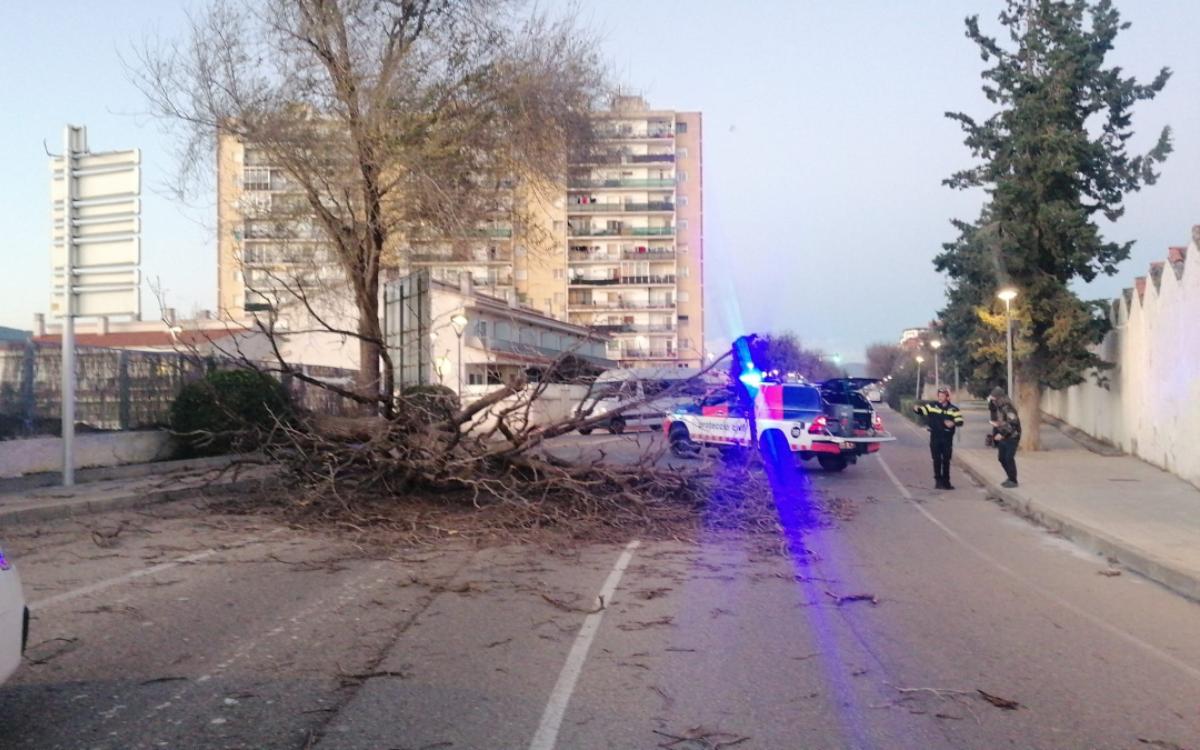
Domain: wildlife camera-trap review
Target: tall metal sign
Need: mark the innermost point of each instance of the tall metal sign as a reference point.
(95, 250)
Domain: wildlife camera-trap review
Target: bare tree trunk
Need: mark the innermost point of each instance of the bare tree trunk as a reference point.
(368, 346)
(1029, 402)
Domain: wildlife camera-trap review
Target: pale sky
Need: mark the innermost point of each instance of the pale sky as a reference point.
(824, 147)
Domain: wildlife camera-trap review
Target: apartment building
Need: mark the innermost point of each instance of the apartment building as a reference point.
(635, 235)
(618, 248)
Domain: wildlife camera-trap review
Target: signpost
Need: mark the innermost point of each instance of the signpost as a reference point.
(95, 250)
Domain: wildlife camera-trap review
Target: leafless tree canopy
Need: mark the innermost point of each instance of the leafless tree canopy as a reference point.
(395, 121)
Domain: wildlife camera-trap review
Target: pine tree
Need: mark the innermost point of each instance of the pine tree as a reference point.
(1052, 159)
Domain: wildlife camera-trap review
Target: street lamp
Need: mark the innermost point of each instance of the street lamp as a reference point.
(920, 359)
(937, 377)
(459, 322)
(1008, 294)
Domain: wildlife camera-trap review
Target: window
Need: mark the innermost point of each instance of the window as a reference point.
(560, 273)
(681, 225)
(519, 251)
(683, 296)
(682, 249)
(681, 153)
(559, 226)
(521, 274)
(481, 329)
(474, 378)
(680, 127)
(685, 343)
(684, 271)
(256, 178)
(560, 298)
(681, 176)
(682, 201)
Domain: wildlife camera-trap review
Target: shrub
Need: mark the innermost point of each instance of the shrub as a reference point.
(228, 411)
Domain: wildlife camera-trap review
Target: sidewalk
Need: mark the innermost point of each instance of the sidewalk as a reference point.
(1114, 505)
(143, 484)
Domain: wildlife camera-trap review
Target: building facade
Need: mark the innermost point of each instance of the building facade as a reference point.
(619, 248)
(460, 337)
(635, 232)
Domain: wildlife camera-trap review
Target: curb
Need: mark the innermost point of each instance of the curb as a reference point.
(30, 482)
(1184, 583)
(52, 508)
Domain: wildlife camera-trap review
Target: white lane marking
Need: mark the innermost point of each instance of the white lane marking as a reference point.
(92, 588)
(1151, 649)
(560, 696)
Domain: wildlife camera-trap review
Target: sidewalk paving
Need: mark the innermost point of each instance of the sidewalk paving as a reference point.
(1114, 505)
(143, 484)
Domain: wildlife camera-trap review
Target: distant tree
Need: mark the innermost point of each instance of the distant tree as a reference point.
(883, 359)
(1052, 158)
(784, 352)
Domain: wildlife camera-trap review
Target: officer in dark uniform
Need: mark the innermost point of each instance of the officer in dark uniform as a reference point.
(943, 418)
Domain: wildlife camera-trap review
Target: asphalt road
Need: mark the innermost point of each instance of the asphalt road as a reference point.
(191, 630)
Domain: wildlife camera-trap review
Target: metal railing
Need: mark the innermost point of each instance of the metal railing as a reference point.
(622, 305)
(621, 183)
(576, 232)
(619, 135)
(614, 207)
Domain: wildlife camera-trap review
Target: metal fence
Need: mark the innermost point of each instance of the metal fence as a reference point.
(118, 389)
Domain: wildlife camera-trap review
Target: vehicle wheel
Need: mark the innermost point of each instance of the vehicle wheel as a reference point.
(616, 426)
(832, 463)
(585, 430)
(681, 442)
(776, 453)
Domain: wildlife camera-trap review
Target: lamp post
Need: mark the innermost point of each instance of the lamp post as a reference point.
(459, 322)
(920, 359)
(937, 377)
(1008, 294)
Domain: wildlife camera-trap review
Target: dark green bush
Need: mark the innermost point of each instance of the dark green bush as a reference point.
(903, 384)
(430, 403)
(228, 411)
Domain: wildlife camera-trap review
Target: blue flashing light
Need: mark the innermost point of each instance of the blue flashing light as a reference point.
(4, 564)
(748, 373)
(752, 379)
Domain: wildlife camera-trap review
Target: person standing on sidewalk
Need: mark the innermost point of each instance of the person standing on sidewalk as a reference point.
(942, 419)
(1006, 433)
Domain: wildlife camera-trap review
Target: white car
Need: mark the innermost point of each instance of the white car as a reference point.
(641, 396)
(14, 619)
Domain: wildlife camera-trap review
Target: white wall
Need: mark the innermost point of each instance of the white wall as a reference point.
(557, 402)
(1151, 407)
(37, 455)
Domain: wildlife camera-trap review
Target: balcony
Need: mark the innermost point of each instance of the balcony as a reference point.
(634, 135)
(667, 279)
(625, 160)
(460, 259)
(641, 182)
(652, 255)
(646, 354)
(493, 232)
(614, 208)
(622, 231)
(621, 305)
(581, 257)
(635, 328)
